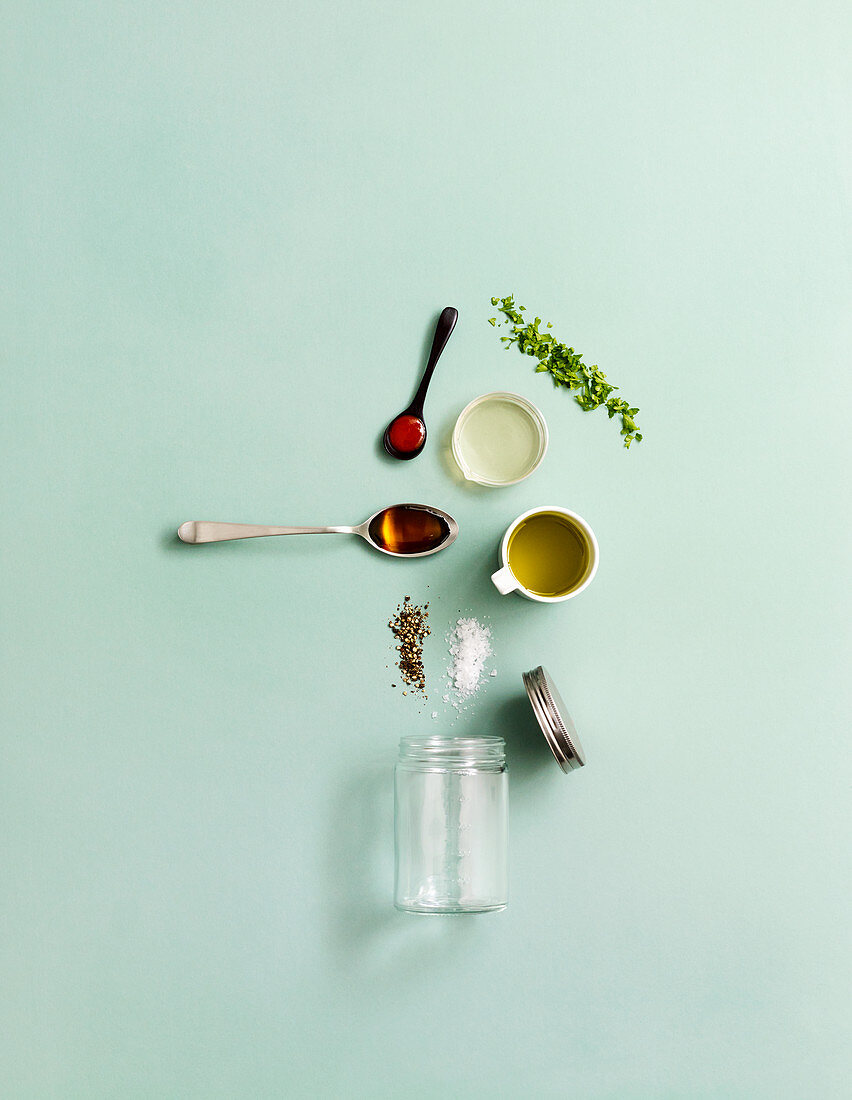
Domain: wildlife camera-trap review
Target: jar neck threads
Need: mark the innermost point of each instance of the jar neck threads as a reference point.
(453, 752)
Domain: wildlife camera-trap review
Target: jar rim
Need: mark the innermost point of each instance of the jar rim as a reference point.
(436, 751)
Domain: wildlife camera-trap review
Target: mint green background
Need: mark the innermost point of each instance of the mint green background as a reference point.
(227, 230)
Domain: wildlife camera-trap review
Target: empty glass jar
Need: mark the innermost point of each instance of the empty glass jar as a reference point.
(451, 825)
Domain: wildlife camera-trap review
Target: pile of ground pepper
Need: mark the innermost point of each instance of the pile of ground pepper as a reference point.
(410, 628)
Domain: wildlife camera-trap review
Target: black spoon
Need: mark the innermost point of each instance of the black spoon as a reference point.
(405, 436)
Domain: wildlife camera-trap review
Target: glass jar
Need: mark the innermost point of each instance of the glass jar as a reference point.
(451, 825)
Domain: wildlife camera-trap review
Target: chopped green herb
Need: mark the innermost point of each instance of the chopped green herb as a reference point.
(565, 366)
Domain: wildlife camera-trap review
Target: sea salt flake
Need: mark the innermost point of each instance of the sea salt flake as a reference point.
(470, 648)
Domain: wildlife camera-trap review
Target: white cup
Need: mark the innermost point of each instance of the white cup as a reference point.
(505, 580)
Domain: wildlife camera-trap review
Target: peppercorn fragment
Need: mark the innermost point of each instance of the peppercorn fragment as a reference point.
(410, 628)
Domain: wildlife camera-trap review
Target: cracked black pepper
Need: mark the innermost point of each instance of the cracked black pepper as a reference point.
(410, 628)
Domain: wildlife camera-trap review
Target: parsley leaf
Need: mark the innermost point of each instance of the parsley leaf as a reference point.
(566, 367)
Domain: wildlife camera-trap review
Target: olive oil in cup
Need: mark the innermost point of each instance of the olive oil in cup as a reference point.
(499, 439)
(547, 555)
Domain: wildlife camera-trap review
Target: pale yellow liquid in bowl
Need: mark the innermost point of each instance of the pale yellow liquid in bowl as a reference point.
(499, 441)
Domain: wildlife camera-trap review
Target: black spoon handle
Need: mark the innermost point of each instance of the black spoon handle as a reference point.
(443, 331)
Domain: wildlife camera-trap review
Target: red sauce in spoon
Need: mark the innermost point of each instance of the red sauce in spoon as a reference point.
(406, 434)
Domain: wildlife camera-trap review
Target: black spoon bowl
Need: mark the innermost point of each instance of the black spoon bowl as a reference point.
(443, 331)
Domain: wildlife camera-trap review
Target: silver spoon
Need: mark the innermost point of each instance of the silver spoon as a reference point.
(402, 530)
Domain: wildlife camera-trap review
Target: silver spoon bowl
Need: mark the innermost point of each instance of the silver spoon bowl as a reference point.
(199, 531)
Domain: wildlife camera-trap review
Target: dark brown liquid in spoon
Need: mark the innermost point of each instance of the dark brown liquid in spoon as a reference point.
(403, 529)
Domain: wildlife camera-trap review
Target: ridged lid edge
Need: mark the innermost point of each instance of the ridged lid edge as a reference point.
(555, 721)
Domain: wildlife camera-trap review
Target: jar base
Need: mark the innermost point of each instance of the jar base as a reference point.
(449, 909)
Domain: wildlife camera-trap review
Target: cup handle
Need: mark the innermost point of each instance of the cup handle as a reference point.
(505, 581)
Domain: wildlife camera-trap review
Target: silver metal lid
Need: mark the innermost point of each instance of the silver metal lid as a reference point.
(554, 719)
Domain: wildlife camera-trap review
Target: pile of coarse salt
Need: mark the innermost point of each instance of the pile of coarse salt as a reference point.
(470, 648)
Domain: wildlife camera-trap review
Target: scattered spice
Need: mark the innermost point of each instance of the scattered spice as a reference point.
(410, 628)
(470, 648)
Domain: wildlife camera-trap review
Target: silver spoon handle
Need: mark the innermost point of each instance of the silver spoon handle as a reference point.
(196, 531)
